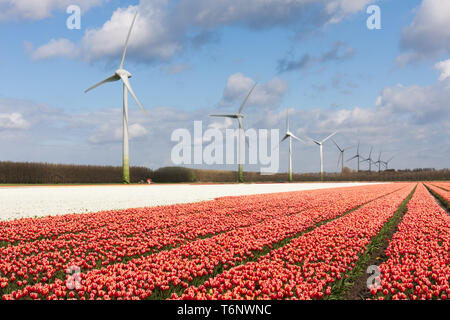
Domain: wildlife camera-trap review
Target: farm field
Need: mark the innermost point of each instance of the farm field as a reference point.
(310, 244)
(37, 201)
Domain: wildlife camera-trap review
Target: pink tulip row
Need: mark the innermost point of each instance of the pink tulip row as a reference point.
(442, 184)
(134, 221)
(39, 261)
(440, 191)
(418, 265)
(308, 267)
(179, 266)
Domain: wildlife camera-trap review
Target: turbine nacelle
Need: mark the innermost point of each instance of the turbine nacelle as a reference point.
(122, 73)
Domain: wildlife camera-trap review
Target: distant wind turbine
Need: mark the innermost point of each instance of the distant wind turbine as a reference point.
(122, 74)
(320, 144)
(386, 163)
(289, 135)
(379, 162)
(341, 156)
(357, 156)
(369, 159)
(239, 116)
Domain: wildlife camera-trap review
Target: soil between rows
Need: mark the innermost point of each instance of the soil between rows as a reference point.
(359, 290)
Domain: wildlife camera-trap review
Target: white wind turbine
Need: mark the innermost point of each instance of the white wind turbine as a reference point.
(369, 159)
(122, 74)
(379, 162)
(289, 135)
(320, 144)
(341, 156)
(239, 116)
(357, 156)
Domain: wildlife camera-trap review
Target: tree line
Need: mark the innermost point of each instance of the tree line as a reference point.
(47, 173)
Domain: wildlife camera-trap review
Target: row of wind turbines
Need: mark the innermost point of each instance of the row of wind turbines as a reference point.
(289, 135)
(124, 75)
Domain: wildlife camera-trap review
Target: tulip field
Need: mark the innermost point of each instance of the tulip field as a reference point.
(289, 245)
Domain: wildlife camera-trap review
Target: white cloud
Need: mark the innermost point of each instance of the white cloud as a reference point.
(264, 95)
(163, 31)
(53, 49)
(443, 68)
(13, 120)
(428, 36)
(410, 122)
(177, 68)
(339, 9)
(262, 13)
(113, 132)
(39, 9)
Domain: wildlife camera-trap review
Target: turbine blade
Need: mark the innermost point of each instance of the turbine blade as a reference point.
(315, 141)
(352, 158)
(246, 98)
(110, 79)
(241, 124)
(285, 137)
(297, 138)
(337, 145)
(223, 115)
(126, 42)
(287, 119)
(127, 84)
(328, 137)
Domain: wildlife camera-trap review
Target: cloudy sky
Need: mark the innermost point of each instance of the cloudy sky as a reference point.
(388, 88)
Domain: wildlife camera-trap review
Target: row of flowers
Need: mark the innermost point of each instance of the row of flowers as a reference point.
(181, 265)
(127, 222)
(309, 266)
(442, 184)
(441, 191)
(418, 265)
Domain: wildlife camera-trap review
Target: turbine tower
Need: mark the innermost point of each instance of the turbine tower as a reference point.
(122, 74)
(289, 135)
(320, 144)
(341, 156)
(379, 162)
(386, 163)
(357, 156)
(239, 116)
(369, 159)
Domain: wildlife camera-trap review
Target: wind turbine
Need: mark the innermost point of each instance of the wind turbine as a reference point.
(386, 163)
(379, 162)
(357, 156)
(320, 144)
(239, 116)
(289, 135)
(369, 159)
(341, 157)
(122, 74)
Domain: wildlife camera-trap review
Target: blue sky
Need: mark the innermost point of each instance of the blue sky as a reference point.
(189, 58)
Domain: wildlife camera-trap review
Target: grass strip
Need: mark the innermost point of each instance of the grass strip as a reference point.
(354, 286)
(443, 202)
